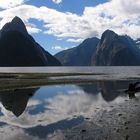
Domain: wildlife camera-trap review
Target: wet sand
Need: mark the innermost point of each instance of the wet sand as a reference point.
(120, 122)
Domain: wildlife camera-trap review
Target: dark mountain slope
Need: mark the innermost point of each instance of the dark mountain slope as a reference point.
(115, 50)
(18, 48)
(80, 55)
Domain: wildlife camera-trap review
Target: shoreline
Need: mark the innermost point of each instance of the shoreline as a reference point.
(122, 122)
(14, 81)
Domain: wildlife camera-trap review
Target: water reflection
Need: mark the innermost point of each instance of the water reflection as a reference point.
(51, 108)
(109, 90)
(16, 100)
(40, 131)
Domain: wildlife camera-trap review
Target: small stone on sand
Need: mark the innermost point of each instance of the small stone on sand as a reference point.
(119, 114)
(83, 130)
(127, 137)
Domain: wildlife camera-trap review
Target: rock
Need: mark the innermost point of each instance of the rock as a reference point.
(83, 130)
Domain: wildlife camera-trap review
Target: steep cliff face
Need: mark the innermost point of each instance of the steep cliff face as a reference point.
(80, 55)
(18, 48)
(115, 50)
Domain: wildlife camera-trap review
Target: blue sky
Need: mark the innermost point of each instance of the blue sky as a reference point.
(74, 6)
(62, 24)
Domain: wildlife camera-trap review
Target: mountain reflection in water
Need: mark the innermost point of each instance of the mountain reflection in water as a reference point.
(108, 89)
(49, 108)
(16, 100)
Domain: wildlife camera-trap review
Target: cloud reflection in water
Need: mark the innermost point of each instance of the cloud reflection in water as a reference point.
(53, 106)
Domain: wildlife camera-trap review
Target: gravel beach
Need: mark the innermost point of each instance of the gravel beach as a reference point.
(120, 122)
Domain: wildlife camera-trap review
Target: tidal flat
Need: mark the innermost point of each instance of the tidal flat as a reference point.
(68, 106)
(118, 122)
(10, 81)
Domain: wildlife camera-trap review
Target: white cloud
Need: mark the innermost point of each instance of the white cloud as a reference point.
(75, 40)
(57, 1)
(57, 48)
(4, 4)
(9, 132)
(60, 48)
(116, 16)
(122, 16)
(110, 15)
(32, 28)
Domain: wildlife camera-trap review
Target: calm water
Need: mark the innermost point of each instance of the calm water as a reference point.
(34, 114)
(113, 72)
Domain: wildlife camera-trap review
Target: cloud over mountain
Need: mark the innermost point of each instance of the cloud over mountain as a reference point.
(122, 16)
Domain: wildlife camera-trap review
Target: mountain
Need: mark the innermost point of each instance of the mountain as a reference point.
(115, 50)
(18, 48)
(80, 55)
(111, 50)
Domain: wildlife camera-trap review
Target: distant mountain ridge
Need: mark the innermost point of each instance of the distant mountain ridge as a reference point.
(18, 48)
(80, 55)
(110, 50)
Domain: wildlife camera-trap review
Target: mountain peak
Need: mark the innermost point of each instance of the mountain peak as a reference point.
(15, 25)
(93, 38)
(109, 33)
(17, 19)
(80, 55)
(87, 42)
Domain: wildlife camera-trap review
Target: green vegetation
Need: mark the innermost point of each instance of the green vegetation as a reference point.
(10, 81)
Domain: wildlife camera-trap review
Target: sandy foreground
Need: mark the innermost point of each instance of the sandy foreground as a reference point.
(121, 122)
